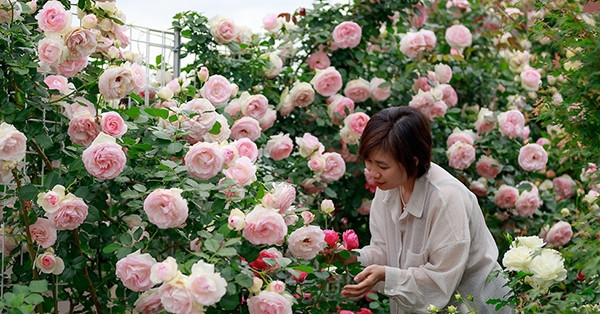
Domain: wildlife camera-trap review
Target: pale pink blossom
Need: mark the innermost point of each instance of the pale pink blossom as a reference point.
(230, 154)
(53, 18)
(43, 233)
(307, 217)
(560, 234)
(202, 121)
(318, 60)
(527, 203)
(236, 220)
(461, 155)
(458, 36)
(217, 90)
(309, 144)
(430, 39)
(423, 101)
(357, 122)
(327, 82)
(57, 82)
(358, 90)
(13, 143)
(564, 186)
(379, 93)
(306, 242)
(511, 123)
(268, 120)
(204, 285)
(243, 172)
(223, 30)
(83, 129)
(269, 302)
(276, 286)
(89, 21)
(272, 23)
(139, 76)
(164, 271)
(70, 214)
(443, 73)
(49, 263)
(422, 83)
(302, 94)
(10, 10)
(532, 157)
(465, 136)
(246, 147)
(104, 158)
(506, 196)
(264, 226)
(113, 124)
(149, 302)
(279, 146)
(485, 121)
(273, 64)
(449, 95)
(335, 167)
(284, 195)
(175, 298)
(418, 19)
(50, 200)
(412, 44)
(338, 105)
(116, 83)
(254, 106)
(204, 160)
(531, 79)
(246, 127)
(488, 167)
(347, 35)
(166, 208)
(51, 50)
(80, 43)
(479, 187)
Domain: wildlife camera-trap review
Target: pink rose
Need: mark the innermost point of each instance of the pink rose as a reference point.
(488, 167)
(337, 107)
(485, 121)
(273, 64)
(358, 90)
(327, 82)
(306, 242)
(13, 143)
(255, 106)
(335, 167)
(422, 101)
(560, 234)
(350, 240)
(458, 36)
(449, 95)
(196, 245)
(175, 298)
(80, 43)
(166, 208)
(204, 160)
(203, 120)
(116, 83)
(316, 163)
(527, 203)
(43, 232)
(79, 105)
(204, 285)
(223, 30)
(49, 263)
(312, 186)
(260, 265)
(412, 44)
(506, 196)
(243, 172)
(563, 186)
(269, 302)
(83, 129)
(331, 237)
(542, 141)
(139, 76)
(422, 83)
(279, 147)
(112, 124)
(478, 187)
(302, 94)
(430, 39)
(70, 214)
(532, 157)
(379, 93)
(438, 110)
(267, 121)
(264, 226)
(217, 90)
(53, 18)
(134, 271)
(458, 135)
(357, 122)
(272, 23)
(246, 127)
(104, 159)
(443, 73)
(230, 154)
(418, 19)
(511, 123)
(70, 67)
(461, 155)
(347, 35)
(284, 195)
(149, 302)
(318, 60)
(246, 147)
(531, 79)
(57, 82)
(10, 10)
(164, 271)
(365, 207)
(51, 50)
(309, 144)
(119, 33)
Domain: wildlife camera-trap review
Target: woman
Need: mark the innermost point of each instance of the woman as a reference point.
(429, 239)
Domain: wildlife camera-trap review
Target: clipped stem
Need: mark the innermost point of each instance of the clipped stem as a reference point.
(87, 275)
(38, 149)
(54, 294)
(27, 232)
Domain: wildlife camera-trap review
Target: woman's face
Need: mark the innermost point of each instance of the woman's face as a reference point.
(386, 171)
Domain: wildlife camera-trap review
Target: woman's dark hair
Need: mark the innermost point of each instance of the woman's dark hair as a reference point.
(402, 131)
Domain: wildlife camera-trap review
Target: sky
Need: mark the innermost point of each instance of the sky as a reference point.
(158, 14)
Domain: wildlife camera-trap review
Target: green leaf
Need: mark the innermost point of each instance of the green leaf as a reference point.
(174, 148)
(169, 163)
(111, 248)
(304, 268)
(227, 252)
(140, 188)
(130, 194)
(50, 180)
(133, 112)
(211, 245)
(38, 286)
(44, 141)
(244, 280)
(34, 299)
(322, 274)
(216, 129)
(20, 289)
(122, 252)
(28, 192)
(157, 112)
(230, 302)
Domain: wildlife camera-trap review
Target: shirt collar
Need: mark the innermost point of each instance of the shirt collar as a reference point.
(417, 198)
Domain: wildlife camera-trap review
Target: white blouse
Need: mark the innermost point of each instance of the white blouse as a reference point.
(439, 246)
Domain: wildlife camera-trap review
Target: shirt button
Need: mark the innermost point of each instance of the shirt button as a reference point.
(392, 291)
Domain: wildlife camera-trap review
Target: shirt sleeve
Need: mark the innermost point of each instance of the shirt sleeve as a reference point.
(375, 252)
(433, 275)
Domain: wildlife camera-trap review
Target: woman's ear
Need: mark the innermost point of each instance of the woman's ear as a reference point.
(416, 160)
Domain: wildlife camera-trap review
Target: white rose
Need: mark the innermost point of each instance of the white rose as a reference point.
(517, 259)
(532, 242)
(549, 265)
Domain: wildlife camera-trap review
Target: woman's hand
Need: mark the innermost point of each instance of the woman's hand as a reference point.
(366, 280)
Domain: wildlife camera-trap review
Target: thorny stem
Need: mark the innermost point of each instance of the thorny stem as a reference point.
(38, 149)
(87, 275)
